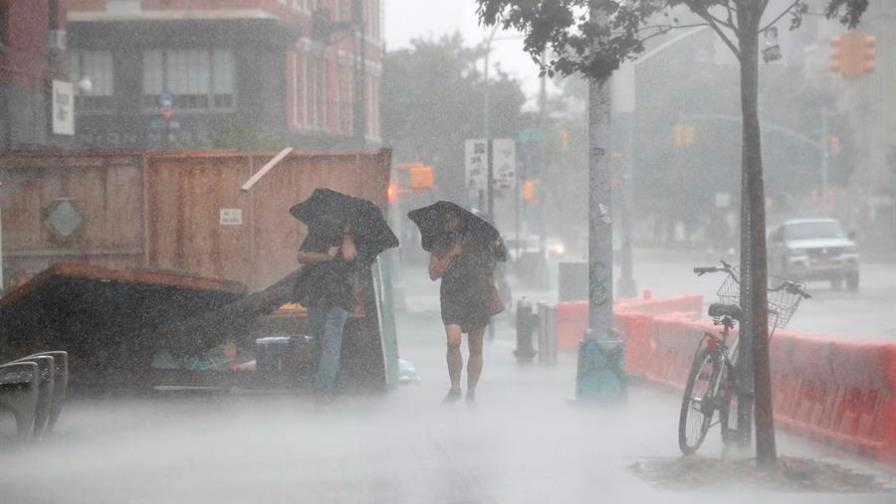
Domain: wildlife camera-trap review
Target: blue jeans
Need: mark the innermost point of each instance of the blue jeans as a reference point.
(327, 324)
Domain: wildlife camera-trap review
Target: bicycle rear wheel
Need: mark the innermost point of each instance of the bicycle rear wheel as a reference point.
(698, 405)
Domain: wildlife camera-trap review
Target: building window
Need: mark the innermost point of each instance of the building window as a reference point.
(320, 93)
(300, 89)
(199, 79)
(3, 21)
(97, 68)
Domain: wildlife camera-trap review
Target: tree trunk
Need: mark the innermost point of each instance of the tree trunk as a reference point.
(756, 275)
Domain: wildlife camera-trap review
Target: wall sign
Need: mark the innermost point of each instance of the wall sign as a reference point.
(231, 217)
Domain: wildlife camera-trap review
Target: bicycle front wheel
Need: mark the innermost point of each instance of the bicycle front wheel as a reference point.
(698, 406)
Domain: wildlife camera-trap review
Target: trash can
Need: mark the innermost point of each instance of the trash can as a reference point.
(547, 334)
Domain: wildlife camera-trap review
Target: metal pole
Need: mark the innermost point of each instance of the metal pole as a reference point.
(486, 132)
(600, 235)
(490, 193)
(542, 123)
(825, 154)
(599, 339)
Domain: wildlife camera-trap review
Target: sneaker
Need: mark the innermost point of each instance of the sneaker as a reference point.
(454, 395)
(471, 397)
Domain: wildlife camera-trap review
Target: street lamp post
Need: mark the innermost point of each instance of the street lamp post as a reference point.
(626, 80)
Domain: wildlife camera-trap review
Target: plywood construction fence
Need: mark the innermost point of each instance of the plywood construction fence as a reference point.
(171, 211)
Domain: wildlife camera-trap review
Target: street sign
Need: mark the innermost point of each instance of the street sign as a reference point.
(63, 108)
(475, 163)
(504, 163)
(528, 135)
(166, 102)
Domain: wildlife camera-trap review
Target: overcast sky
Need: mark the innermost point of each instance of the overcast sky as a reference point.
(410, 19)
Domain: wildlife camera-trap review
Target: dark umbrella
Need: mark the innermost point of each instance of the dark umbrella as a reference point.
(432, 223)
(327, 208)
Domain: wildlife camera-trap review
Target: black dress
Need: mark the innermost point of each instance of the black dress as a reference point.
(467, 287)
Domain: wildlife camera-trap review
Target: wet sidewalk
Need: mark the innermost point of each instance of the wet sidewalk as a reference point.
(525, 441)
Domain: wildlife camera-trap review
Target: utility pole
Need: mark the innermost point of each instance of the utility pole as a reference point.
(598, 350)
(600, 230)
(489, 152)
(543, 143)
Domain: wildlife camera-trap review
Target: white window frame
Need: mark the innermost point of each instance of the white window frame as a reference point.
(100, 98)
(150, 100)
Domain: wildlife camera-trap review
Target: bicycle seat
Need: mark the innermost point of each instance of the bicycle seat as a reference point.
(718, 310)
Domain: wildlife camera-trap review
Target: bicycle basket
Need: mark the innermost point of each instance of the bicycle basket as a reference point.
(729, 291)
(782, 304)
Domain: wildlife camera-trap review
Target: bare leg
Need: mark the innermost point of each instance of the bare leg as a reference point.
(474, 363)
(455, 361)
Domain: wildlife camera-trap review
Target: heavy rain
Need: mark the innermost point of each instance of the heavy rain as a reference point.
(447, 251)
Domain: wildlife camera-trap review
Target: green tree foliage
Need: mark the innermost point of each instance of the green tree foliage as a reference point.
(433, 101)
(593, 37)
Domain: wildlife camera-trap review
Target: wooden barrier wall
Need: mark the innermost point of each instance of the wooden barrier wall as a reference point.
(163, 211)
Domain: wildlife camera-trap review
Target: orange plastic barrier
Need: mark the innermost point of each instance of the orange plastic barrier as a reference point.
(839, 392)
(635, 329)
(572, 316)
(653, 306)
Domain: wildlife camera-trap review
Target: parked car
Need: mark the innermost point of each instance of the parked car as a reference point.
(814, 249)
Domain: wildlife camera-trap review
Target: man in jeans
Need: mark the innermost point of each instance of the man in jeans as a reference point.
(328, 295)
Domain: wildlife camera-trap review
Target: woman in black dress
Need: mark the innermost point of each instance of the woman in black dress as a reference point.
(466, 267)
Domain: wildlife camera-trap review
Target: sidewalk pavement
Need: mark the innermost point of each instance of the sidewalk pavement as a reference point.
(524, 441)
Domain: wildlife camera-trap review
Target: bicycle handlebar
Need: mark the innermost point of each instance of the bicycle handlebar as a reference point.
(725, 267)
(793, 288)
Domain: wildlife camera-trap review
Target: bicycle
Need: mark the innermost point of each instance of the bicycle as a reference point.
(711, 383)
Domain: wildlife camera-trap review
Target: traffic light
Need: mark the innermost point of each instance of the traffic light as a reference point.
(868, 52)
(414, 177)
(853, 54)
(421, 177)
(683, 135)
(529, 187)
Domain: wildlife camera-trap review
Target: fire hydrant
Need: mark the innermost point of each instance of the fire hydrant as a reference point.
(526, 324)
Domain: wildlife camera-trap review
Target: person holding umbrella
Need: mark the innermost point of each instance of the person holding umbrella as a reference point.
(464, 250)
(345, 234)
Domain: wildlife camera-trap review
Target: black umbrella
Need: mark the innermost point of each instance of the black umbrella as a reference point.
(327, 209)
(432, 221)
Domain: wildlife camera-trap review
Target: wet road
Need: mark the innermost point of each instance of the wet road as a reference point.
(864, 315)
(524, 442)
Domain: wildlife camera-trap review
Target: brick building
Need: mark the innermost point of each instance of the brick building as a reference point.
(237, 73)
(32, 43)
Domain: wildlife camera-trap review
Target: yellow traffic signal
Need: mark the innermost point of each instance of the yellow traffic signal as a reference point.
(868, 52)
(684, 135)
(853, 54)
(414, 177)
(421, 177)
(529, 195)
